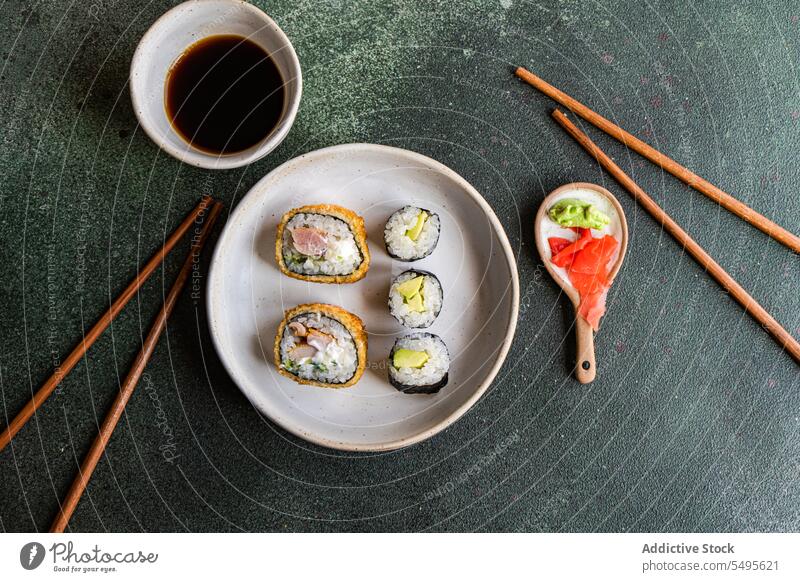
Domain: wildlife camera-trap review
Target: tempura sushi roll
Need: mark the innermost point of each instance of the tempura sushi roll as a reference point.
(415, 298)
(411, 233)
(322, 243)
(321, 345)
(419, 364)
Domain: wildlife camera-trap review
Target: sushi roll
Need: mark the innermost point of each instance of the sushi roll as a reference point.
(321, 345)
(411, 233)
(419, 364)
(322, 243)
(415, 298)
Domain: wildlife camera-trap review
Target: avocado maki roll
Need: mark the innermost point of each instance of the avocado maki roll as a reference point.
(415, 298)
(321, 345)
(419, 364)
(322, 243)
(411, 233)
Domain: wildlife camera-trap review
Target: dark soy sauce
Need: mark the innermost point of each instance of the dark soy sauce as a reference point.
(224, 94)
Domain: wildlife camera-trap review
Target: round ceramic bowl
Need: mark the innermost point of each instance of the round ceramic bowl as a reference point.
(170, 36)
(248, 295)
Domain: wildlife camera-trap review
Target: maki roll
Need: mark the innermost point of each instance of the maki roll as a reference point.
(415, 298)
(411, 233)
(322, 243)
(321, 345)
(419, 363)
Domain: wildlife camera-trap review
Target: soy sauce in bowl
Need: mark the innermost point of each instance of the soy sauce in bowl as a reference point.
(224, 94)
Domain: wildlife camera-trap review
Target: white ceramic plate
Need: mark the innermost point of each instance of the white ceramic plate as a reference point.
(247, 295)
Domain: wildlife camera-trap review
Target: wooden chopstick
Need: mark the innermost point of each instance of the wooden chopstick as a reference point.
(750, 305)
(105, 320)
(703, 186)
(149, 345)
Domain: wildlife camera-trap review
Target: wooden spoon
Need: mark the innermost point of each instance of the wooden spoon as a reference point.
(586, 368)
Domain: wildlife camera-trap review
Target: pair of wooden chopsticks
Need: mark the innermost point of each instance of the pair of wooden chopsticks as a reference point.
(740, 209)
(113, 416)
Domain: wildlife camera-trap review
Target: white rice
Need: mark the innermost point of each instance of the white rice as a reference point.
(342, 256)
(401, 246)
(432, 371)
(335, 365)
(431, 300)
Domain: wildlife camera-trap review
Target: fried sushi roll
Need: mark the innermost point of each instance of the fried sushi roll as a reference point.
(415, 298)
(321, 345)
(322, 243)
(419, 364)
(411, 233)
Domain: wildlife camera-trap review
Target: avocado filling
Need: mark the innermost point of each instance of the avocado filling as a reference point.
(414, 232)
(404, 358)
(411, 291)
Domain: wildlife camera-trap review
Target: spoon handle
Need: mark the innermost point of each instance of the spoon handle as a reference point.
(585, 368)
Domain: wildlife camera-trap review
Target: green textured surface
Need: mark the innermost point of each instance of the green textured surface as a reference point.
(693, 421)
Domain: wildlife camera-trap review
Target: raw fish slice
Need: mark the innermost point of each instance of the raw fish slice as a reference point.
(587, 263)
(589, 274)
(587, 284)
(595, 256)
(558, 244)
(309, 241)
(565, 256)
(593, 307)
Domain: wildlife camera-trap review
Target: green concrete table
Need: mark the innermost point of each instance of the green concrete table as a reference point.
(692, 424)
